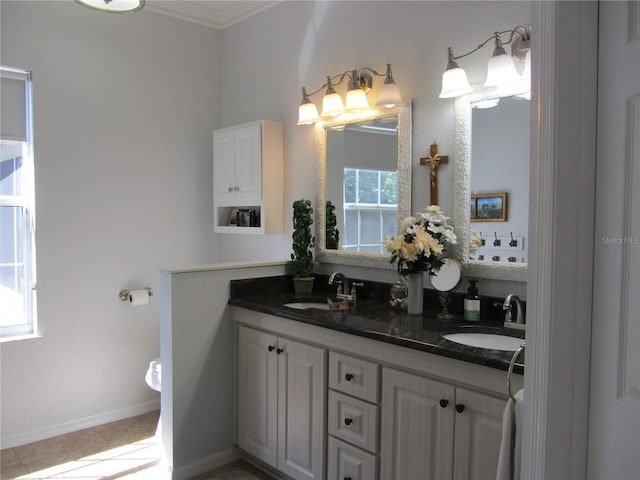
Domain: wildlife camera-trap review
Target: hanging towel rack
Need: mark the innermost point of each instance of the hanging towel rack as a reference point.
(515, 356)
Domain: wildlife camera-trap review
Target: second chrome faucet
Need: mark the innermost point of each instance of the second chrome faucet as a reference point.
(343, 286)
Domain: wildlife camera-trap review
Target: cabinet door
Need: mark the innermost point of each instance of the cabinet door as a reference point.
(346, 462)
(478, 433)
(224, 177)
(416, 427)
(257, 394)
(248, 164)
(301, 410)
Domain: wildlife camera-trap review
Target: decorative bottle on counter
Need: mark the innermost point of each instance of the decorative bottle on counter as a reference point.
(472, 303)
(398, 295)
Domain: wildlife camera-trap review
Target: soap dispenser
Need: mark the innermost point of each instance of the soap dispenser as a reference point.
(472, 303)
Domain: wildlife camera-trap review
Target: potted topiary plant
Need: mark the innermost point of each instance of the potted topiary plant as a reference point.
(332, 238)
(303, 242)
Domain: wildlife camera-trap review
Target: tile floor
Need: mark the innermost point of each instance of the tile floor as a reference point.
(124, 450)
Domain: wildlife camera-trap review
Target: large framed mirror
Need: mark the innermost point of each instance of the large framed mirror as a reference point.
(491, 182)
(364, 170)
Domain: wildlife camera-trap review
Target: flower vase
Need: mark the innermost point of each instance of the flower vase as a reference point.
(415, 282)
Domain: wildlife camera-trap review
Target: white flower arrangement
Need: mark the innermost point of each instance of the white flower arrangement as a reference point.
(421, 247)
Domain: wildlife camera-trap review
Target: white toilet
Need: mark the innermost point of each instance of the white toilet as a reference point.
(154, 374)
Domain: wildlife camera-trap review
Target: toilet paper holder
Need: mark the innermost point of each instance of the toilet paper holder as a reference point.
(124, 294)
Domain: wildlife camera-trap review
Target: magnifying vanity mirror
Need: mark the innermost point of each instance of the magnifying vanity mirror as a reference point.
(491, 193)
(364, 170)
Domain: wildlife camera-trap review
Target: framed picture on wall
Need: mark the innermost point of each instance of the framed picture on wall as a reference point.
(246, 217)
(489, 207)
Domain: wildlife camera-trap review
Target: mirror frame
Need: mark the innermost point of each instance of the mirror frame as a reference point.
(462, 189)
(363, 259)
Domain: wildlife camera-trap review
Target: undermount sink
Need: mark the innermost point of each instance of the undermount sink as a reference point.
(308, 305)
(486, 340)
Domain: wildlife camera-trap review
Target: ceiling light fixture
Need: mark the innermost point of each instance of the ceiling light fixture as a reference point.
(360, 84)
(501, 69)
(113, 6)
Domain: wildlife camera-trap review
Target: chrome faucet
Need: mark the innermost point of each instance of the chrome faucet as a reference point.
(343, 286)
(343, 283)
(507, 307)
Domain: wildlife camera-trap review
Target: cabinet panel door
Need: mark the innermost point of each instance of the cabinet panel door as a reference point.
(248, 165)
(257, 394)
(478, 434)
(301, 410)
(346, 462)
(416, 430)
(354, 376)
(224, 177)
(354, 421)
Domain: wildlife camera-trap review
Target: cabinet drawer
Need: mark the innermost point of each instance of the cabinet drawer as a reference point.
(354, 376)
(353, 420)
(346, 462)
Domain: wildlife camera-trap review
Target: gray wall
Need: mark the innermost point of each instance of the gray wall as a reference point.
(124, 106)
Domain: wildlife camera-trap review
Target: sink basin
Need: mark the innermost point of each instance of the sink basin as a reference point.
(308, 305)
(486, 340)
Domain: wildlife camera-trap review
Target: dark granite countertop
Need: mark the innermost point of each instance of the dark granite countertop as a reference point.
(373, 318)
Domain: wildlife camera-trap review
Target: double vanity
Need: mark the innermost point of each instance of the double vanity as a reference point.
(369, 392)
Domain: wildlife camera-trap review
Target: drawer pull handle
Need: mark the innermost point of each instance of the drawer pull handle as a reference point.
(459, 408)
(271, 348)
(444, 403)
(348, 377)
(348, 421)
(279, 350)
(346, 478)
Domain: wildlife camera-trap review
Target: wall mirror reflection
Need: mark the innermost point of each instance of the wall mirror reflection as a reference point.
(500, 178)
(491, 204)
(364, 171)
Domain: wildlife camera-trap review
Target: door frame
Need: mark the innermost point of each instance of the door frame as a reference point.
(562, 197)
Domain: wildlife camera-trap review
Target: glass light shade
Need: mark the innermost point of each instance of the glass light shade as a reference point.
(307, 114)
(454, 83)
(501, 71)
(526, 73)
(332, 105)
(389, 95)
(356, 100)
(486, 103)
(113, 6)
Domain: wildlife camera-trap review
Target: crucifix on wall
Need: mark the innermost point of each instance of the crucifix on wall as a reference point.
(433, 161)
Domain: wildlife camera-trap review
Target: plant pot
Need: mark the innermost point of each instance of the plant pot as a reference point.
(303, 286)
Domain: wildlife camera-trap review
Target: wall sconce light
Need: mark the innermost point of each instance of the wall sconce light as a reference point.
(113, 6)
(360, 83)
(501, 69)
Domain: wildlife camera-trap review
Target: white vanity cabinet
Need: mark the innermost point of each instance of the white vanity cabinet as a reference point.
(434, 430)
(248, 175)
(394, 413)
(281, 402)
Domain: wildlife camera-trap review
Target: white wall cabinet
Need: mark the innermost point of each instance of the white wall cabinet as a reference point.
(281, 403)
(248, 175)
(433, 430)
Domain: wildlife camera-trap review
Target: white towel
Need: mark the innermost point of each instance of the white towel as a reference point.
(510, 448)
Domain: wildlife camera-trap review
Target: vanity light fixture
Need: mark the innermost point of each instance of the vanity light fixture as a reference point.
(360, 83)
(113, 6)
(501, 69)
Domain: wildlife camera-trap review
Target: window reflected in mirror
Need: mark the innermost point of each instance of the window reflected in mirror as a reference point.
(362, 174)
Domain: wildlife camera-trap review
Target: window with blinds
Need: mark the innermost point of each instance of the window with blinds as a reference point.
(17, 207)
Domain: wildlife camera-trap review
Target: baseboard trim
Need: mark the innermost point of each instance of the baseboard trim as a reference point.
(211, 462)
(78, 424)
